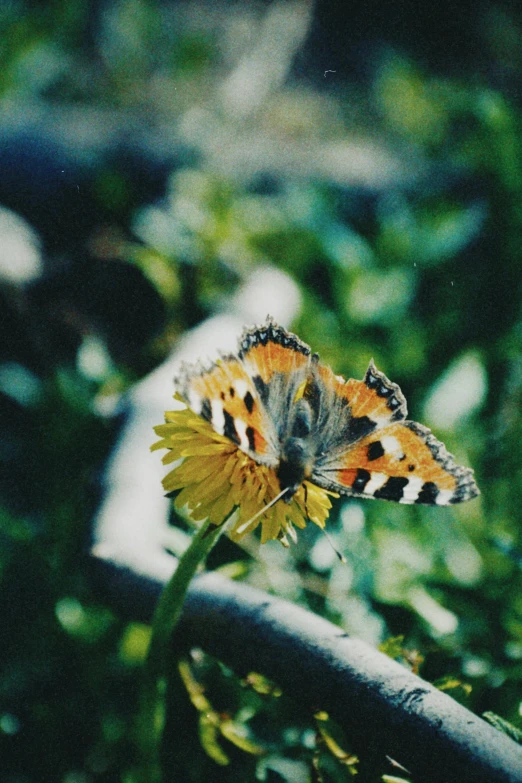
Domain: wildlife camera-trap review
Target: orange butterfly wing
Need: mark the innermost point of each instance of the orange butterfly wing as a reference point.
(248, 397)
(385, 457)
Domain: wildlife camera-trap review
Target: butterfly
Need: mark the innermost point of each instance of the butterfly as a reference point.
(280, 405)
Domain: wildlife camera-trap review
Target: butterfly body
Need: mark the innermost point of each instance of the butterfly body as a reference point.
(280, 405)
(297, 451)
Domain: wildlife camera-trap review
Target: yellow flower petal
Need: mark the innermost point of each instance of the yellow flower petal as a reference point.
(214, 479)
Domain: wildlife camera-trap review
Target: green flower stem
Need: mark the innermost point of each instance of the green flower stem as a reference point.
(152, 707)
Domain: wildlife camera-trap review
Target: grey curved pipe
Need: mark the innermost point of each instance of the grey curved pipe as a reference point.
(383, 708)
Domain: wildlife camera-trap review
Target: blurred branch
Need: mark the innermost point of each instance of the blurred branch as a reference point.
(241, 153)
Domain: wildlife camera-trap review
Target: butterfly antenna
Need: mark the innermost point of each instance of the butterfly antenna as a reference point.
(328, 536)
(339, 554)
(241, 529)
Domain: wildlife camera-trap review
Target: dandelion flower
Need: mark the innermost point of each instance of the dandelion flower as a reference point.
(214, 478)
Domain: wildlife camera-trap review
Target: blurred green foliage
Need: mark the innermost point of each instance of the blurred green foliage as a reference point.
(392, 196)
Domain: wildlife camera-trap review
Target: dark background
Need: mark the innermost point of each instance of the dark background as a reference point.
(153, 156)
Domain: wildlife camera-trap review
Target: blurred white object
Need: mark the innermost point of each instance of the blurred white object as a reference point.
(441, 620)
(280, 35)
(19, 383)
(459, 392)
(20, 257)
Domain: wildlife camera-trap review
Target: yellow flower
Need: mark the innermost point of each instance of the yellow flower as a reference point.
(214, 479)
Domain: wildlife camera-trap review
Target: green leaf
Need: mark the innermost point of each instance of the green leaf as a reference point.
(503, 725)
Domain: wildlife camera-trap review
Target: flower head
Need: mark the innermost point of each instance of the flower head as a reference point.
(215, 479)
